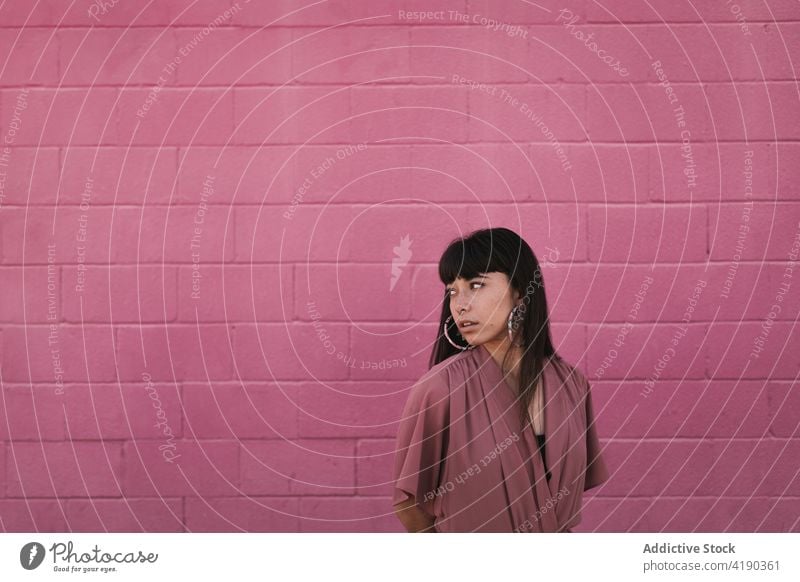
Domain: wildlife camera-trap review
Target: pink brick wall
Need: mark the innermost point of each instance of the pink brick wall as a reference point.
(253, 397)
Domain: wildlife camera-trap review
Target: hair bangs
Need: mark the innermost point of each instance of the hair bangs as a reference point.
(466, 258)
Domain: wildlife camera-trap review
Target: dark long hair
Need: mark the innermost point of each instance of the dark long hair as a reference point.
(501, 250)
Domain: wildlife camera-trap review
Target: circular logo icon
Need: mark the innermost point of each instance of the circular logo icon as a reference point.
(31, 555)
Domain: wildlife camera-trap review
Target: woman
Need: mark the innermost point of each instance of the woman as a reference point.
(498, 435)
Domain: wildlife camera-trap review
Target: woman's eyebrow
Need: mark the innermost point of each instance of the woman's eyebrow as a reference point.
(473, 278)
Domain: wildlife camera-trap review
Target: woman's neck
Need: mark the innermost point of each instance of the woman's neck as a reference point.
(508, 357)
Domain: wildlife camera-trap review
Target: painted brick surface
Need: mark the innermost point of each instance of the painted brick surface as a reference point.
(220, 222)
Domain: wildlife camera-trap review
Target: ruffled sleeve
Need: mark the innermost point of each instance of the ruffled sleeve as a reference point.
(422, 440)
(596, 469)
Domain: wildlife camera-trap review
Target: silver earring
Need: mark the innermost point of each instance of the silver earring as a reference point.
(514, 319)
(444, 330)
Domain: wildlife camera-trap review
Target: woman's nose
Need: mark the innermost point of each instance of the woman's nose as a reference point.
(462, 304)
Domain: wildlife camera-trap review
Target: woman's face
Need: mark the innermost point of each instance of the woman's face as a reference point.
(486, 300)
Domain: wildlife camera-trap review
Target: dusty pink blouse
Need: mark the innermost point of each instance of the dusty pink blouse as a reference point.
(461, 455)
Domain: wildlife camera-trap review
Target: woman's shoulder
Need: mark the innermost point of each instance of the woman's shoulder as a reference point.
(435, 382)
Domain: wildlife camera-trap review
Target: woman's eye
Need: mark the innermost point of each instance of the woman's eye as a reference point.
(449, 291)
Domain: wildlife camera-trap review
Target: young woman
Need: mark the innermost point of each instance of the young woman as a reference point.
(498, 435)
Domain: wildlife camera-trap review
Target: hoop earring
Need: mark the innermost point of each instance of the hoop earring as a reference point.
(444, 330)
(514, 319)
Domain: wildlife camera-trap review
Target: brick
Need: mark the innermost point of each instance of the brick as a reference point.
(608, 173)
(31, 56)
(69, 354)
(527, 113)
(779, 479)
(174, 353)
(742, 111)
(382, 167)
(687, 515)
(665, 11)
(28, 233)
(128, 411)
(294, 352)
(50, 117)
(240, 514)
(338, 410)
(125, 515)
(117, 175)
(235, 293)
(346, 55)
(374, 293)
(352, 172)
(644, 235)
(783, 405)
(635, 293)
(515, 12)
(166, 234)
(723, 53)
(29, 515)
(558, 51)
(683, 468)
(716, 409)
(621, 113)
(475, 52)
(64, 469)
(407, 114)
(376, 13)
(241, 175)
(733, 349)
(250, 411)
(570, 340)
(24, 295)
(102, 56)
(31, 177)
(490, 173)
(389, 351)
(203, 12)
(307, 467)
(56, 13)
(292, 115)
(197, 468)
(784, 178)
(31, 412)
(175, 116)
(719, 173)
(371, 235)
(294, 233)
(238, 56)
(658, 351)
(144, 294)
(769, 229)
(345, 514)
